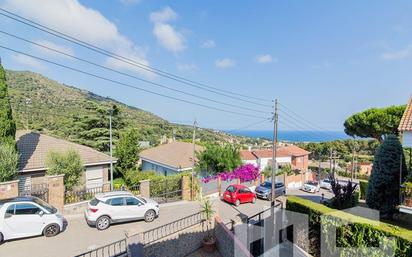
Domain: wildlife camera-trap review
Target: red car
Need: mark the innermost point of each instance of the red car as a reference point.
(237, 194)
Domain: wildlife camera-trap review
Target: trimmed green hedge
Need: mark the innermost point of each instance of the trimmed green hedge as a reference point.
(356, 175)
(363, 186)
(360, 231)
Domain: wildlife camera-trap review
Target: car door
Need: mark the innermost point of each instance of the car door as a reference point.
(279, 188)
(118, 209)
(26, 220)
(135, 208)
(245, 195)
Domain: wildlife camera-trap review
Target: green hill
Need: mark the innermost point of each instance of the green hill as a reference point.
(44, 105)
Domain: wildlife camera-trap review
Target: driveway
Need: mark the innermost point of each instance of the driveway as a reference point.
(79, 237)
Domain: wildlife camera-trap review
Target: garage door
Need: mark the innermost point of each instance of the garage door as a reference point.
(94, 177)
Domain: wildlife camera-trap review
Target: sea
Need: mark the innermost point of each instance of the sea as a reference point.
(295, 136)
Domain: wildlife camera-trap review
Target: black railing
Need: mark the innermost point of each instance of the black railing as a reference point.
(166, 190)
(38, 190)
(158, 233)
(81, 195)
(115, 249)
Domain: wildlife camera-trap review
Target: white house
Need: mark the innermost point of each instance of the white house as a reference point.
(169, 158)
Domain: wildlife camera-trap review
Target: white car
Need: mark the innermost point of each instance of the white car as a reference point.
(119, 206)
(29, 216)
(311, 186)
(326, 183)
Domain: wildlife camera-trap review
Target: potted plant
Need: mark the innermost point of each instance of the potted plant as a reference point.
(407, 193)
(209, 241)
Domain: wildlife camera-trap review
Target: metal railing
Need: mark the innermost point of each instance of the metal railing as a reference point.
(81, 195)
(115, 249)
(158, 233)
(38, 190)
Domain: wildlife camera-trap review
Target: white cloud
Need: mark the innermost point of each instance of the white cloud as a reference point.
(27, 61)
(60, 48)
(209, 44)
(398, 55)
(77, 20)
(129, 2)
(183, 67)
(265, 58)
(225, 63)
(167, 36)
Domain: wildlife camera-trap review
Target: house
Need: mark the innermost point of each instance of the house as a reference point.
(169, 158)
(34, 148)
(292, 155)
(405, 126)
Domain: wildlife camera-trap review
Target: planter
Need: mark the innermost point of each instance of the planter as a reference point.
(209, 244)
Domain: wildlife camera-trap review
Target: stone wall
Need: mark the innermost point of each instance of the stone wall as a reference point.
(9, 189)
(56, 191)
(227, 243)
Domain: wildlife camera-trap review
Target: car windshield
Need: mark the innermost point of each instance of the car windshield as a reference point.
(327, 180)
(45, 205)
(313, 183)
(266, 184)
(231, 189)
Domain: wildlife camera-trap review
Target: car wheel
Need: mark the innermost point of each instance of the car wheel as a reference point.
(149, 216)
(237, 202)
(1, 238)
(269, 197)
(51, 230)
(254, 200)
(103, 223)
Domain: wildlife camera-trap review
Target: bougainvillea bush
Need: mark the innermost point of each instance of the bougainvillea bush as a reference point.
(245, 172)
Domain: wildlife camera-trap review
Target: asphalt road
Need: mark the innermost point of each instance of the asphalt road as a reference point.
(79, 237)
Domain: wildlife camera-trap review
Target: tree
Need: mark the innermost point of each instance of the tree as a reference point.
(383, 186)
(8, 162)
(215, 158)
(127, 151)
(345, 196)
(7, 124)
(375, 122)
(67, 163)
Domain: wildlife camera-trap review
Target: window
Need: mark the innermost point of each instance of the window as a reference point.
(132, 201)
(279, 185)
(231, 189)
(244, 190)
(94, 202)
(10, 209)
(26, 209)
(117, 201)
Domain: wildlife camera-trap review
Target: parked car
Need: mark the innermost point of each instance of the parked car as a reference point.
(264, 190)
(237, 194)
(326, 183)
(311, 186)
(113, 207)
(29, 216)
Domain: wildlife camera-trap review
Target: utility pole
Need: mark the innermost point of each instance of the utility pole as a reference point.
(111, 149)
(274, 150)
(330, 163)
(193, 159)
(353, 164)
(400, 177)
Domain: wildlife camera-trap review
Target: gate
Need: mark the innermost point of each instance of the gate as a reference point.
(166, 190)
(38, 190)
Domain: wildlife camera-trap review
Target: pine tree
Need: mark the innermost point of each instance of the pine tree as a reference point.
(7, 124)
(383, 186)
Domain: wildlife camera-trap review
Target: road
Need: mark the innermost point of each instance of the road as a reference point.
(79, 237)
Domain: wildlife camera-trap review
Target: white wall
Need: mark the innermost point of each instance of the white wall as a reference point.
(407, 139)
(263, 162)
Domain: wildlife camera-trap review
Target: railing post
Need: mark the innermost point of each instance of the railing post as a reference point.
(219, 185)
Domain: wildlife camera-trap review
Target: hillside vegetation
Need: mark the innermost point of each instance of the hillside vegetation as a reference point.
(44, 105)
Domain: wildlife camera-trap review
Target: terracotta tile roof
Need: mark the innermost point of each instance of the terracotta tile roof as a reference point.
(406, 121)
(34, 147)
(176, 154)
(247, 155)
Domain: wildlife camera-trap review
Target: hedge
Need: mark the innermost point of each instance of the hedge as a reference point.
(360, 231)
(363, 185)
(355, 175)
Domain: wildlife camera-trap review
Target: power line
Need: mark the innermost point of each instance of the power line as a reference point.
(140, 65)
(128, 75)
(303, 133)
(131, 86)
(248, 126)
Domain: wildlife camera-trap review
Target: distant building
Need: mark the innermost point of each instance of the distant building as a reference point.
(34, 148)
(293, 155)
(405, 126)
(169, 158)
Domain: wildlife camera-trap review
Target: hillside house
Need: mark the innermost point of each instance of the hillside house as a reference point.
(405, 126)
(34, 148)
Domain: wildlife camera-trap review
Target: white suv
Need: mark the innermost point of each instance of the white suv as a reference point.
(29, 216)
(113, 207)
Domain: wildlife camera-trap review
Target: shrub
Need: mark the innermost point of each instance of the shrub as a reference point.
(355, 175)
(345, 196)
(363, 185)
(8, 162)
(360, 231)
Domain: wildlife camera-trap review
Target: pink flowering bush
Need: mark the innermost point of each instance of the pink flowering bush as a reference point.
(246, 172)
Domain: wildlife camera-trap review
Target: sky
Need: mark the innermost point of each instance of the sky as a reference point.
(322, 60)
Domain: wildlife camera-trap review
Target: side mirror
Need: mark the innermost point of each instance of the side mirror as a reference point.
(41, 213)
(8, 215)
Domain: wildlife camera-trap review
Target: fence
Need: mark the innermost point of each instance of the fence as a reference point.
(166, 190)
(116, 249)
(158, 233)
(81, 195)
(38, 190)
